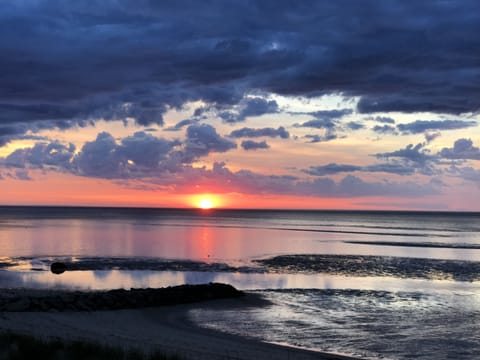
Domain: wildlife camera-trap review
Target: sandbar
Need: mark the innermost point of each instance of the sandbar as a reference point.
(165, 328)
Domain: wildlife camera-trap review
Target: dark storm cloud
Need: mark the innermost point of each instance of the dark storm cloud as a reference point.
(254, 133)
(420, 126)
(463, 149)
(70, 60)
(254, 145)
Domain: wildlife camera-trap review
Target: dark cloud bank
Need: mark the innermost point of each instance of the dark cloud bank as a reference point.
(74, 61)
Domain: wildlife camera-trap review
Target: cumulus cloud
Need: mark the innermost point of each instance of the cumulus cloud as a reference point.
(135, 156)
(254, 145)
(108, 158)
(204, 139)
(463, 149)
(42, 154)
(467, 173)
(385, 129)
(251, 182)
(354, 125)
(318, 124)
(254, 133)
(384, 120)
(328, 120)
(250, 107)
(430, 136)
(331, 114)
(331, 169)
(21, 174)
(414, 153)
(357, 187)
(99, 158)
(181, 124)
(420, 126)
(315, 138)
(138, 156)
(144, 149)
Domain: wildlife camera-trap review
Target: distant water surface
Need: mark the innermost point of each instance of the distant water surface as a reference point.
(394, 285)
(233, 235)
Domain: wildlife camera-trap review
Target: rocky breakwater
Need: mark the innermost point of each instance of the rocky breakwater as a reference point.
(52, 300)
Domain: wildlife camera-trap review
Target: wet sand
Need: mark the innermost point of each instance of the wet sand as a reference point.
(166, 328)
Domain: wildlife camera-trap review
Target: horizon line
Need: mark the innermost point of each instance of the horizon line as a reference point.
(233, 209)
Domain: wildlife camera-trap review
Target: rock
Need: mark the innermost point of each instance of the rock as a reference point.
(58, 268)
(117, 299)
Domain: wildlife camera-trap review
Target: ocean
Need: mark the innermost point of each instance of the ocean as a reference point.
(373, 284)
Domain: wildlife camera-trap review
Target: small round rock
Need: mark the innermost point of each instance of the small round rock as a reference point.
(58, 267)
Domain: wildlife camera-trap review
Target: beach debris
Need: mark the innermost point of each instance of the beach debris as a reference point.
(58, 268)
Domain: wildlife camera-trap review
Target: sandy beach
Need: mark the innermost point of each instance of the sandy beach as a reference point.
(164, 328)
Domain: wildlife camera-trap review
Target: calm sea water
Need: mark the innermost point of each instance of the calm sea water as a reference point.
(396, 285)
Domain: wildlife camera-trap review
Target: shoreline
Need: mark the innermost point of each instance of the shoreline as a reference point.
(164, 328)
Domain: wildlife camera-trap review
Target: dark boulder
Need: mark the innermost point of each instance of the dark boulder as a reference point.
(58, 268)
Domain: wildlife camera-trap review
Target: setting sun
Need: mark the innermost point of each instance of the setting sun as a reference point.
(205, 203)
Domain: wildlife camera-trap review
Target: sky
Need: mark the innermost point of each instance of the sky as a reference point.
(253, 104)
